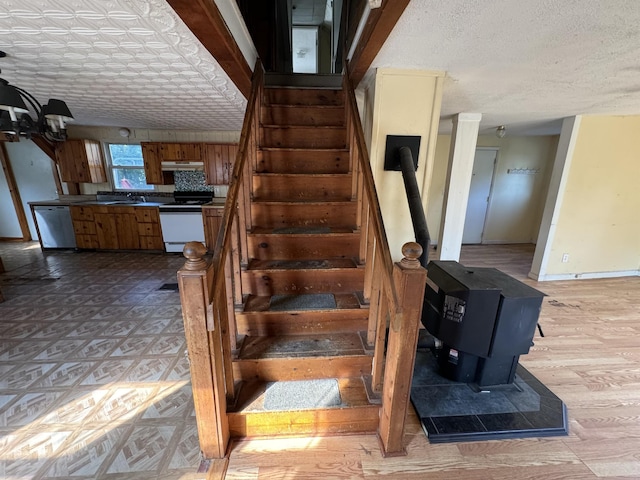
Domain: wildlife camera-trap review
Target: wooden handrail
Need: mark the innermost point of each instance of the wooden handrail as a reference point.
(370, 190)
(224, 237)
(395, 292)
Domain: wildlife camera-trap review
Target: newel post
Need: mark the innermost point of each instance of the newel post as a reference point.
(410, 279)
(207, 377)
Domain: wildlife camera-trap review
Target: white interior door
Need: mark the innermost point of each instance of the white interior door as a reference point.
(481, 178)
(305, 49)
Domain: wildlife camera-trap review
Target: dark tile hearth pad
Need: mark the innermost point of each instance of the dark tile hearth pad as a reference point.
(453, 412)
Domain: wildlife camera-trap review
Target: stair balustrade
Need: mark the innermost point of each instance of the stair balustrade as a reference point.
(394, 292)
(212, 292)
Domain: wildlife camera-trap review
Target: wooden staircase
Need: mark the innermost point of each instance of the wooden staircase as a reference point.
(301, 288)
(303, 241)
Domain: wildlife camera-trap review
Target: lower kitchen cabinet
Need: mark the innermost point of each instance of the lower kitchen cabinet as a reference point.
(149, 232)
(212, 218)
(84, 226)
(117, 228)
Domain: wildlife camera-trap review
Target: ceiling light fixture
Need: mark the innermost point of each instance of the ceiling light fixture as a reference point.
(501, 131)
(15, 118)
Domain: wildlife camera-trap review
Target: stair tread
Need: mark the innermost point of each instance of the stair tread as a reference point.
(295, 105)
(252, 394)
(305, 149)
(302, 201)
(262, 304)
(303, 174)
(302, 346)
(297, 126)
(324, 264)
(335, 231)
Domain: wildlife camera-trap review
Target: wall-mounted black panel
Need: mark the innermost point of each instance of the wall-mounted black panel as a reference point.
(392, 150)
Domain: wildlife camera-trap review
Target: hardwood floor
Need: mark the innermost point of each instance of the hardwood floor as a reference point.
(590, 358)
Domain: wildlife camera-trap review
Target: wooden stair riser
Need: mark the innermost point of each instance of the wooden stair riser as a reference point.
(303, 115)
(302, 323)
(281, 214)
(303, 96)
(303, 137)
(304, 246)
(302, 187)
(305, 422)
(301, 368)
(296, 282)
(301, 161)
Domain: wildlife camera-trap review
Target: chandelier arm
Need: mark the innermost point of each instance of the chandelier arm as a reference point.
(37, 106)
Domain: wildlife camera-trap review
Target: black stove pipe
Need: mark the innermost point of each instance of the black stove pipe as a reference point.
(415, 203)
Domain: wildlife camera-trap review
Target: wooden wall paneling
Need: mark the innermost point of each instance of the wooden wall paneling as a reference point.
(15, 194)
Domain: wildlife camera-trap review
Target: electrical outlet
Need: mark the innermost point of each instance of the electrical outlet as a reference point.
(565, 258)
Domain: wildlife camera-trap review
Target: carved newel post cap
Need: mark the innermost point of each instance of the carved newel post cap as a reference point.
(194, 252)
(411, 252)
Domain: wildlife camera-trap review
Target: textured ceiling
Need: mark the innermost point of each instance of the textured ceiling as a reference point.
(309, 12)
(128, 63)
(524, 63)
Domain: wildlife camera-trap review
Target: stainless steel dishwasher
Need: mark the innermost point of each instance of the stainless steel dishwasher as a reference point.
(55, 226)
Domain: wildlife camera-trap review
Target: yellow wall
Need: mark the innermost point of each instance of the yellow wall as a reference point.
(517, 201)
(599, 219)
(405, 102)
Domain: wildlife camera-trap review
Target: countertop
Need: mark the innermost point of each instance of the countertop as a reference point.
(217, 202)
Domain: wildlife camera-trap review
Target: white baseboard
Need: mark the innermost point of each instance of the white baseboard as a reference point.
(584, 276)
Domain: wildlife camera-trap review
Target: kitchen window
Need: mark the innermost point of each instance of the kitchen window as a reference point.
(127, 167)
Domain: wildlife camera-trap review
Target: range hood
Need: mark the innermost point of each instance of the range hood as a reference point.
(183, 166)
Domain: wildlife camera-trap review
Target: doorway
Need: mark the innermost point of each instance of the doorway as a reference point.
(479, 195)
(305, 49)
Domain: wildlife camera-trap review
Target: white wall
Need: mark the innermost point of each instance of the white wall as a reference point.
(9, 224)
(34, 178)
(233, 18)
(517, 201)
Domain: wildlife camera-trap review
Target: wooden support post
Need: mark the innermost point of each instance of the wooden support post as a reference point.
(207, 375)
(410, 279)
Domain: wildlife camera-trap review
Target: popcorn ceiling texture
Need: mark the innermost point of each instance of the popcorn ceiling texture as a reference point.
(523, 63)
(126, 63)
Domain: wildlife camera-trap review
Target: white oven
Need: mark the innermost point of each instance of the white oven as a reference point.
(181, 225)
(181, 221)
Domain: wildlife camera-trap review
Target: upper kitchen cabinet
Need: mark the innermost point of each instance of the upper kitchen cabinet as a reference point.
(181, 152)
(218, 162)
(81, 161)
(153, 165)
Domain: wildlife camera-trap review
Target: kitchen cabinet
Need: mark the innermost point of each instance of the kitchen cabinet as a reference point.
(212, 218)
(153, 165)
(84, 226)
(218, 162)
(181, 152)
(218, 159)
(149, 232)
(117, 228)
(80, 161)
